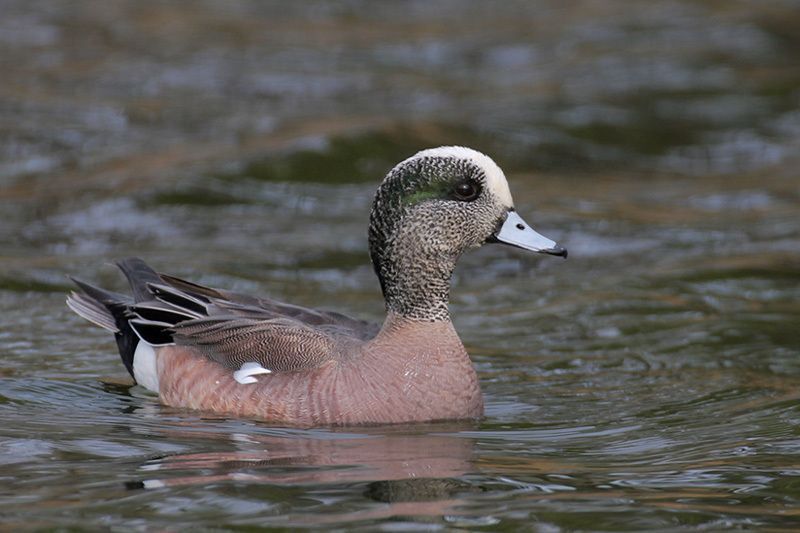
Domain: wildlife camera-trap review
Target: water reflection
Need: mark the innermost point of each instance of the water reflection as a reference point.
(381, 456)
(415, 471)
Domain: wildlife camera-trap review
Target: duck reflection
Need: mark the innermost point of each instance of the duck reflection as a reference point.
(400, 464)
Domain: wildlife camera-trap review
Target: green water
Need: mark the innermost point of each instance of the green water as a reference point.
(649, 382)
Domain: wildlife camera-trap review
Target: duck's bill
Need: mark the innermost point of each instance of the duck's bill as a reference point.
(517, 232)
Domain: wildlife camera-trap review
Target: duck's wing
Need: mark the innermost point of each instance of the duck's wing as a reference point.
(230, 329)
(277, 344)
(248, 306)
(276, 336)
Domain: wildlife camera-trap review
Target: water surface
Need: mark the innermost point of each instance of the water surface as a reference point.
(651, 381)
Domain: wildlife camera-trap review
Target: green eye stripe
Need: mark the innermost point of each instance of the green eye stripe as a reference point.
(433, 191)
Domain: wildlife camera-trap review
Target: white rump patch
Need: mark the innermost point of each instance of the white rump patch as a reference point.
(145, 370)
(245, 374)
(495, 179)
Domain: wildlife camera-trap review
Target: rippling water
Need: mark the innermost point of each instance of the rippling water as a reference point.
(651, 381)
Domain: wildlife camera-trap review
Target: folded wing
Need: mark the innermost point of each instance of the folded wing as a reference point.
(228, 328)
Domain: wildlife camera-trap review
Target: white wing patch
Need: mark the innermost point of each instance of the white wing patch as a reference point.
(153, 484)
(245, 374)
(495, 179)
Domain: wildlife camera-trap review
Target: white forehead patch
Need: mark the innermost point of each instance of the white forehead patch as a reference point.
(495, 179)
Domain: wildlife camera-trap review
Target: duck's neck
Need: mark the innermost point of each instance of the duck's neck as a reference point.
(416, 283)
(416, 336)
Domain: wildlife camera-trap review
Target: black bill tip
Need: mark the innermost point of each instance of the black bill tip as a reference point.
(559, 251)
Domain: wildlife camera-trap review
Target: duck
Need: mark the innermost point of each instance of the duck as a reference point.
(218, 351)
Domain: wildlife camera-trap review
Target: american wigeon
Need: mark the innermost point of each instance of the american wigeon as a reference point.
(215, 350)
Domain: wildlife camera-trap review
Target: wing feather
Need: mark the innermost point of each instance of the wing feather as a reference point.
(276, 344)
(226, 302)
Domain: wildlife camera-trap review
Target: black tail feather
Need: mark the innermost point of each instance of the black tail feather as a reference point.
(139, 275)
(92, 310)
(126, 344)
(158, 311)
(194, 303)
(154, 333)
(90, 305)
(150, 315)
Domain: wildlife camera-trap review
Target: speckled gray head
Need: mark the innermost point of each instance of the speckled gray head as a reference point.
(428, 210)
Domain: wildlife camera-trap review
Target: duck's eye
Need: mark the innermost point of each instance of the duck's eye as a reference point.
(466, 191)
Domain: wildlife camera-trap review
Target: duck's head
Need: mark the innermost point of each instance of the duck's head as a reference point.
(429, 209)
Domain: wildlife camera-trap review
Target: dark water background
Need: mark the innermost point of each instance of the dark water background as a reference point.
(650, 382)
